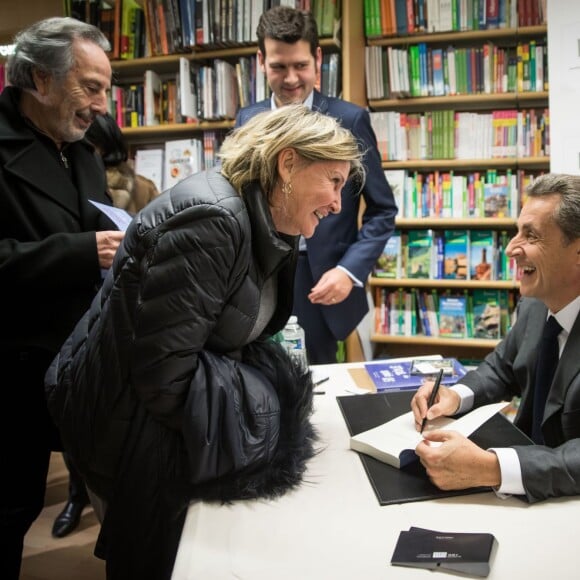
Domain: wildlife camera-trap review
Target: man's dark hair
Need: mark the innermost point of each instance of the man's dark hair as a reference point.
(287, 25)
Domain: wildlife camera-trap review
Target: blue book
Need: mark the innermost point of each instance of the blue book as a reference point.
(398, 376)
(453, 316)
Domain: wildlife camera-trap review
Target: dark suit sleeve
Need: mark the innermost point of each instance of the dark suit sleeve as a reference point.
(378, 222)
(507, 371)
(550, 472)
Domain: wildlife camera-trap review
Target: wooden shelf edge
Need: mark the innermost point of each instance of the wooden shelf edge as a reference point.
(440, 223)
(465, 35)
(451, 101)
(497, 162)
(435, 341)
(375, 281)
(175, 129)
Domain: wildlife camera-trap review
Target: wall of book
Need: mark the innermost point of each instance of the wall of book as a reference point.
(182, 70)
(458, 92)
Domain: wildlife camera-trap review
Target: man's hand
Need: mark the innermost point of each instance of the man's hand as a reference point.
(107, 244)
(457, 463)
(333, 287)
(446, 404)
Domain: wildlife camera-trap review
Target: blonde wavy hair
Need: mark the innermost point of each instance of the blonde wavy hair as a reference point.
(250, 152)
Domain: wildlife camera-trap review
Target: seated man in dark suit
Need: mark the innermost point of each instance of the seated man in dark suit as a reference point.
(329, 293)
(546, 249)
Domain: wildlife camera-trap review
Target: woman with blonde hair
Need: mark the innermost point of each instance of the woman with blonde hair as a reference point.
(170, 390)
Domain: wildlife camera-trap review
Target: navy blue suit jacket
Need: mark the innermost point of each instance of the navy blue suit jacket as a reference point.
(337, 240)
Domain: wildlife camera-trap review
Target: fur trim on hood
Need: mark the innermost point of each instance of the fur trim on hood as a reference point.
(297, 436)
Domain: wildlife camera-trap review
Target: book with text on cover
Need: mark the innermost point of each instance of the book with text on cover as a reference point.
(394, 442)
(468, 553)
(403, 375)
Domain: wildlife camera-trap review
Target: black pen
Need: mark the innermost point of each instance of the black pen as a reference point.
(432, 397)
(321, 381)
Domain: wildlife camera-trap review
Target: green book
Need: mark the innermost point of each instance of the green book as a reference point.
(455, 254)
(419, 252)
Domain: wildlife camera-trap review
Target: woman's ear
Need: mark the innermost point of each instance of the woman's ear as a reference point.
(286, 163)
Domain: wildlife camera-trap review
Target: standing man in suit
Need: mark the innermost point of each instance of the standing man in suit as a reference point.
(329, 293)
(546, 249)
(53, 244)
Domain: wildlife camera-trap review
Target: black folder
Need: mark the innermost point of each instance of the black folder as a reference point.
(392, 485)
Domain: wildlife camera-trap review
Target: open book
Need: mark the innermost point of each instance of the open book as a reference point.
(394, 442)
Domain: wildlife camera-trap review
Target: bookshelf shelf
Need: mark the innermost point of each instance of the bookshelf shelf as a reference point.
(471, 101)
(451, 284)
(473, 343)
(469, 36)
(455, 223)
(496, 163)
(173, 130)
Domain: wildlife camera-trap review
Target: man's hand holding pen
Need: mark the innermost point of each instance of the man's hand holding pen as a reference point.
(445, 404)
(451, 460)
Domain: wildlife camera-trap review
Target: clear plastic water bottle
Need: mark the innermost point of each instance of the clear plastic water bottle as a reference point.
(295, 341)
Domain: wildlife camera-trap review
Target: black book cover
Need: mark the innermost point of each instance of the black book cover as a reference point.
(392, 485)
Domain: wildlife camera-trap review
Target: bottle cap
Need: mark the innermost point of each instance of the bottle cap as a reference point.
(293, 320)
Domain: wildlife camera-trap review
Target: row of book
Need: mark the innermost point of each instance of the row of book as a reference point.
(458, 254)
(140, 28)
(423, 71)
(178, 158)
(450, 134)
(447, 194)
(402, 17)
(478, 313)
(199, 92)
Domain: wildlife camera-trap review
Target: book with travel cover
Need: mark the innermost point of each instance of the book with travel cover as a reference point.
(456, 254)
(389, 262)
(419, 253)
(482, 246)
(495, 200)
(403, 375)
(486, 313)
(394, 442)
(453, 316)
(411, 483)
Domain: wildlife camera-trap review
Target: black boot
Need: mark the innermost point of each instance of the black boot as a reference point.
(68, 519)
(70, 516)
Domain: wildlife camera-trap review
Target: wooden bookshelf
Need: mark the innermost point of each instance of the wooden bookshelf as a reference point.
(395, 345)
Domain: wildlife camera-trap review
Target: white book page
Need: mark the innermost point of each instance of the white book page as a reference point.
(399, 434)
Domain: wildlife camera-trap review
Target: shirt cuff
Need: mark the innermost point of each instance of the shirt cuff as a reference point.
(466, 396)
(511, 472)
(356, 281)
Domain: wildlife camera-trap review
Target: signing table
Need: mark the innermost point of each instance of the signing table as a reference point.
(332, 526)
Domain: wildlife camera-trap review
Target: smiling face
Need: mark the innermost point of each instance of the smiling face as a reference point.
(549, 268)
(314, 193)
(290, 69)
(69, 105)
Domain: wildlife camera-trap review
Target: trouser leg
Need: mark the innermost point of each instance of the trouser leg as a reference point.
(26, 436)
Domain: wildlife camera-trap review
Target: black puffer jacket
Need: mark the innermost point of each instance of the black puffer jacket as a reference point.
(159, 397)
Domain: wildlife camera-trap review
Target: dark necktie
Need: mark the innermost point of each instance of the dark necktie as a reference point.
(548, 355)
